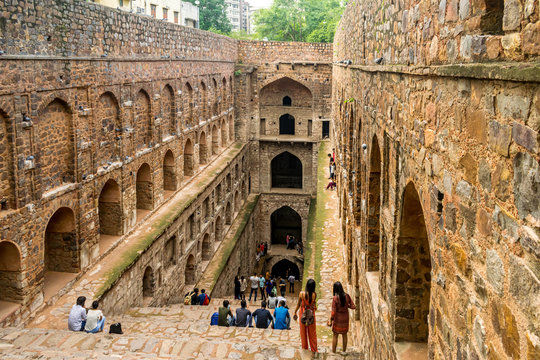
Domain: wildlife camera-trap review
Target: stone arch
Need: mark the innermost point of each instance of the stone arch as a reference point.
(228, 214)
(7, 183)
(61, 243)
(148, 283)
(285, 221)
(413, 271)
(237, 203)
(110, 209)
(215, 140)
(286, 124)
(189, 273)
(219, 229)
(215, 108)
(169, 172)
(203, 149)
(283, 266)
(374, 204)
(286, 171)
(168, 108)
(224, 94)
(57, 150)
(143, 120)
(275, 88)
(223, 130)
(188, 104)
(206, 248)
(231, 128)
(145, 188)
(244, 192)
(204, 100)
(287, 101)
(110, 126)
(188, 158)
(10, 272)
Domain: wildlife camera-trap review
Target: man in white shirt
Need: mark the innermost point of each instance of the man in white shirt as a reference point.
(77, 315)
(254, 286)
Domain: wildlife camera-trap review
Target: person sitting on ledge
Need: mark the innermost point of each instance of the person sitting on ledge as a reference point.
(282, 317)
(95, 321)
(77, 315)
(225, 315)
(263, 318)
(243, 315)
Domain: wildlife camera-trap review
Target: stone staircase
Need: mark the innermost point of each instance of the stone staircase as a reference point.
(173, 332)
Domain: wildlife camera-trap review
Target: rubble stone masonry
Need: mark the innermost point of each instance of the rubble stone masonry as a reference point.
(436, 107)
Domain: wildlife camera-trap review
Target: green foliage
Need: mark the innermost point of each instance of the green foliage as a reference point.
(242, 35)
(212, 16)
(299, 20)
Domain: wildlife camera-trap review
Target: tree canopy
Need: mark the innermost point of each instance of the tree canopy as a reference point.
(212, 16)
(299, 20)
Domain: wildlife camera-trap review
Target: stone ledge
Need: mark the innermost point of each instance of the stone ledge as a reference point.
(524, 72)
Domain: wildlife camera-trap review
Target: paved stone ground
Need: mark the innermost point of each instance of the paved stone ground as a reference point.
(178, 331)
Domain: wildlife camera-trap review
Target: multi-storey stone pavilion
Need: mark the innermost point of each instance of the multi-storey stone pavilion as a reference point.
(140, 159)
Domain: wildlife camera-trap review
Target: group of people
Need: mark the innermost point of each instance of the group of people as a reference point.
(304, 313)
(292, 244)
(267, 285)
(83, 319)
(194, 298)
(263, 318)
(262, 250)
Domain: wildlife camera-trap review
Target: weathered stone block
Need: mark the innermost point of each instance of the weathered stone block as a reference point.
(513, 106)
(531, 40)
(479, 332)
(525, 136)
(450, 212)
(533, 346)
(461, 258)
(499, 137)
(525, 288)
(501, 181)
(470, 168)
(511, 43)
(463, 190)
(527, 186)
(483, 222)
(512, 15)
(476, 125)
(463, 9)
(484, 174)
(504, 323)
(494, 270)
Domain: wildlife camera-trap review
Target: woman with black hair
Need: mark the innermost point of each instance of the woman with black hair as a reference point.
(339, 319)
(307, 303)
(236, 288)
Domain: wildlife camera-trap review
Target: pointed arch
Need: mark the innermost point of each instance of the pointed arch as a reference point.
(286, 171)
(215, 140)
(143, 120)
(188, 158)
(168, 108)
(285, 221)
(413, 271)
(110, 209)
(188, 104)
(10, 272)
(189, 273)
(169, 172)
(61, 243)
(374, 204)
(145, 188)
(109, 129)
(148, 283)
(57, 149)
(206, 248)
(204, 101)
(203, 149)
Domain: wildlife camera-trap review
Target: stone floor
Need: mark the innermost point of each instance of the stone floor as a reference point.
(178, 331)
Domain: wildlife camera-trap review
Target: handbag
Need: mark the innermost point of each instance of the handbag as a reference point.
(115, 328)
(308, 317)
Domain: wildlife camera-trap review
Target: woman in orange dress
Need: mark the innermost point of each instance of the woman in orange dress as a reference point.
(339, 320)
(307, 300)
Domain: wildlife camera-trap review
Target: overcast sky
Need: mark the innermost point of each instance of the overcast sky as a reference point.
(260, 3)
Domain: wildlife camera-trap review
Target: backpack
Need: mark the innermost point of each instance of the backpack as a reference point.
(187, 299)
(206, 300)
(214, 319)
(308, 317)
(115, 328)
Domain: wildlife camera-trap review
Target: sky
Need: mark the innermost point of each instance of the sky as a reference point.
(260, 3)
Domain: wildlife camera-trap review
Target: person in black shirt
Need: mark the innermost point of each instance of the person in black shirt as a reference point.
(263, 317)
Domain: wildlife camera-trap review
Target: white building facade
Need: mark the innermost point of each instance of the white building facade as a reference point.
(238, 12)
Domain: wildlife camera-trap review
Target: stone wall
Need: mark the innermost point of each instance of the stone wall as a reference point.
(193, 233)
(261, 52)
(89, 98)
(439, 32)
(449, 149)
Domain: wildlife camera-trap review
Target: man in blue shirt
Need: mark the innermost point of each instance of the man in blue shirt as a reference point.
(203, 298)
(262, 317)
(282, 317)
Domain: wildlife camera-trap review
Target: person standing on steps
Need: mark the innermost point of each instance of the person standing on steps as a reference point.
(339, 319)
(254, 286)
(236, 288)
(282, 286)
(307, 303)
(262, 281)
(243, 287)
(291, 279)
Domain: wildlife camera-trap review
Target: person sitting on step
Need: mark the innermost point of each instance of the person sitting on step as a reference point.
(204, 299)
(282, 317)
(95, 321)
(77, 315)
(243, 315)
(225, 315)
(263, 318)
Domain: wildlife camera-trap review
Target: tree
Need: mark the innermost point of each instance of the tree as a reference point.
(212, 16)
(299, 20)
